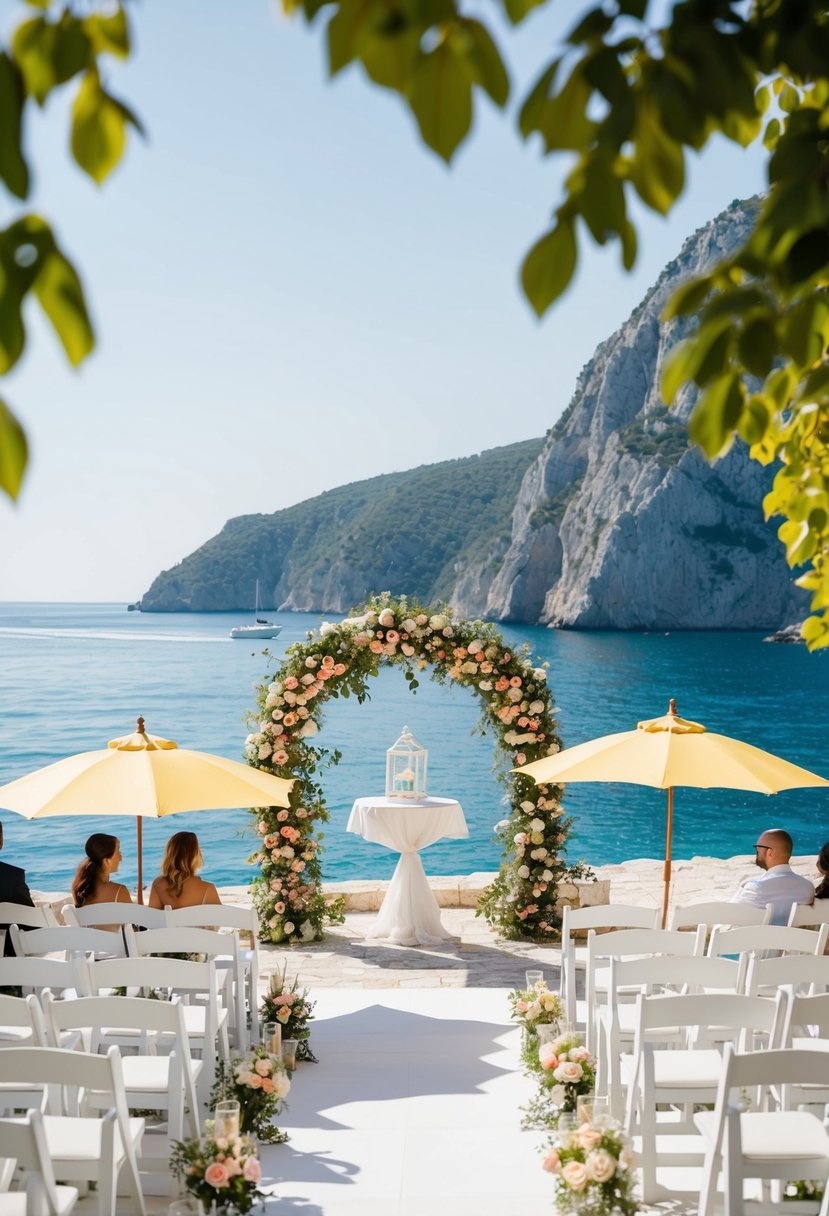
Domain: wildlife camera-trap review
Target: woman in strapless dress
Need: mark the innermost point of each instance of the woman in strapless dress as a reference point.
(178, 885)
(93, 883)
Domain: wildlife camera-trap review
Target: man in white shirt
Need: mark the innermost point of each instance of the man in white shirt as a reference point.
(780, 885)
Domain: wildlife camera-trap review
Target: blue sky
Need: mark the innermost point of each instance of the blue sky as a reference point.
(290, 293)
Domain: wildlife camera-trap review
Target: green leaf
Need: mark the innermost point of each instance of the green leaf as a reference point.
(517, 10)
(658, 167)
(716, 415)
(440, 95)
(815, 632)
(33, 47)
(72, 50)
(98, 129)
(602, 198)
(563, 119)
(13, 168)
(343, 32)
(688, 298)
(697, 358)
(549, 266)
(532, 110)
(754, 420)
(59, 291)
(14, 452)
(483, 60)
(757, 347)
(800, 541)
(806, 330)
(109, 32)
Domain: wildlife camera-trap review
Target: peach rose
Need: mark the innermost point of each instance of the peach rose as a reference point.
(588, 1136)
(216, 1175)
(600, 1165)
(552, 1162)
(575, 1175)
(568, 1072)
(252, 1171)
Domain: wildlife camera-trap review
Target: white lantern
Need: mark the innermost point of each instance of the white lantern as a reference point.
(406, 768)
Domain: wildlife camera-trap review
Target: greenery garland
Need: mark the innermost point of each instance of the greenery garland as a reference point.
(338, 660)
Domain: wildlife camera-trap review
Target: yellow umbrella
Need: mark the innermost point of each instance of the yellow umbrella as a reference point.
(669, 751)
(143, 776)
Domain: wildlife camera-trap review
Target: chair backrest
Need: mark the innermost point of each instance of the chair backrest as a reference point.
(25, 1140)
(22, 1014)
(621, 942)
(71, 941)
(804, 915)
(64, 1074)
(801, 972)
(34, 974)
(768, 937)
(214, 916)
(608, 916)
(181, 940)
(91, 915)
(718, 912)
(22, 914)
(668, 971)
(706, 1016)
(806, 1015)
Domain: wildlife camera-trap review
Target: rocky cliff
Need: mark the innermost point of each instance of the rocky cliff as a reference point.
(618, 523)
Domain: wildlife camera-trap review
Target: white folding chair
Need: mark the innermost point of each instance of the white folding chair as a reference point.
(83, 1147)
(92, 915)
(803, 973)
(33, 974)
(660, 974)
(764, 1144)
(754, 938)
(41, 917)
(579, 920)
(718, 912)
(21, 1022)
(804, 916)
(196, 983)
(240, 920)
(24, 1141)
(628, 943)
(162, 1076)
(686, 1076)
(72, 942)
(222, 948)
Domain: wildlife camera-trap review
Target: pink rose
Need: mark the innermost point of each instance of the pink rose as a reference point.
(547, 1056)
(551, 1162)
(255, 1081)
(600, 1165)
(280, 907)
(216, 1175)
(588, 1136)
(252, 1171)
(375, 647)
(291, 682)
(568, 1072)
(282, 815)
(339, 669)
(575, 1175)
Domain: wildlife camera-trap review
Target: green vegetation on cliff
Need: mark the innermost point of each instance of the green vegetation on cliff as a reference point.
(409, 532)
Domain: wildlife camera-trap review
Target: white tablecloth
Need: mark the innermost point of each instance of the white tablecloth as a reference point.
(410, 914)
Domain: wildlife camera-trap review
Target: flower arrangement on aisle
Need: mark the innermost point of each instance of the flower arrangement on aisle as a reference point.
(566, 1071)
(224, 1171)
(531, 1008)
(593, 1170)
(338, 660)
(259, 1082)
(290, 1006)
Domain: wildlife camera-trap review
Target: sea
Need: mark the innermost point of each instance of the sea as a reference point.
(73, 676)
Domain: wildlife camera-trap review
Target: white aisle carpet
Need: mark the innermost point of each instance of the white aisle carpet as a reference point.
(411, 1111)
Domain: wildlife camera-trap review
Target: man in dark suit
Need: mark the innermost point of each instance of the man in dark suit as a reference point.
(13, 890)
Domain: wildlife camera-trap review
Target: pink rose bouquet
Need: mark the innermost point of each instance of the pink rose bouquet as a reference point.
(593, 1170)
(224, 1171)
(285, 1002)
(259, 1082)
(566, 1071)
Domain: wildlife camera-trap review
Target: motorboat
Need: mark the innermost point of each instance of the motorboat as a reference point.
(260, 629)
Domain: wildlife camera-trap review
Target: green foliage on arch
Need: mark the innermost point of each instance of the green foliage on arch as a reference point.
(338, 661)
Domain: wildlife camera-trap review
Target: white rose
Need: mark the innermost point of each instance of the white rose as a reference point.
(539, 673)
(557, 1095)
(523, 871)
(281, 1085)
(537, 707)
(326, 629)
(575, 1175)
(514, 694)
(386, 618)
(469, 668)
(306, 930)
(528, 807)
(475, 646)
(501, 825)
(485, 685)
(309, 728)
(287, 851)
(289, 697)
(600, 1166)
(289, 926)
(407, 649)
(537, 825)
(409, 625)
(438, 621)
(547, 876)
(265, 750)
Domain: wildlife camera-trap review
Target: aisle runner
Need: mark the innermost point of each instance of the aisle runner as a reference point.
(412, 1111)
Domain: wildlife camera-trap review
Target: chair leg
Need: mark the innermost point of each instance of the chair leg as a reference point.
(708, 1186)
(733, 1164)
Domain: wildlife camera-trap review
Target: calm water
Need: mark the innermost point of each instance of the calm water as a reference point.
(75, 676)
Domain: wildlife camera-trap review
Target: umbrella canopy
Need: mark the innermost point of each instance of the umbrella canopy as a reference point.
(669, 751)
(144, 776)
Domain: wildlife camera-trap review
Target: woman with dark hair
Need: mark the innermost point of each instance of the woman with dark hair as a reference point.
(93, 883)
(822, 863)
(178, 885)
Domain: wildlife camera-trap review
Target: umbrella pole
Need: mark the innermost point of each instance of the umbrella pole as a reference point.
(667, 873)
(139, 831)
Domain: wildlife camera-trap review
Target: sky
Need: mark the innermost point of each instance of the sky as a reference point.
(291, 292)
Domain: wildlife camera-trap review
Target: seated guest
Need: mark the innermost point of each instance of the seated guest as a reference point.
(93, 883)
(780, 885)
(13, 890)
(822, 863)
(178, 885)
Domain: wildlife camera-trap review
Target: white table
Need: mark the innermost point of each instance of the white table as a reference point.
(409, 914)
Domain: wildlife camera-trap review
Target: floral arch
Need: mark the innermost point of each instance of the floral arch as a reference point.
(338, 661)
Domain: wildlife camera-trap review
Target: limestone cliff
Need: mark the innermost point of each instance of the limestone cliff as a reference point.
(618, 523)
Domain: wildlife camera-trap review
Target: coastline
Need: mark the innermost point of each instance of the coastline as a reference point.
(638, 881)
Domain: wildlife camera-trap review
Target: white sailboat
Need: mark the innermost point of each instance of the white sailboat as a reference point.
(260, 628)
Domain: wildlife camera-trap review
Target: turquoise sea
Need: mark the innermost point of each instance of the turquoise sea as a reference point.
(73, 676)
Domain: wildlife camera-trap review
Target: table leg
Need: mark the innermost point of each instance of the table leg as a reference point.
(409, 914)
